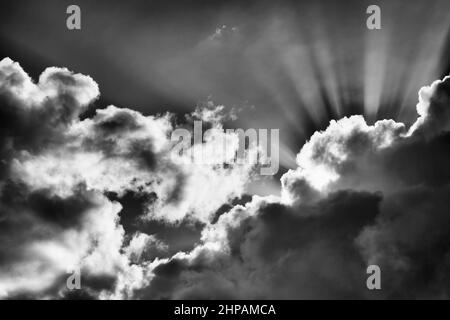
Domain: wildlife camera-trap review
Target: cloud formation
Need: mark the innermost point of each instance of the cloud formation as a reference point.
(57, 171)
(361, 194)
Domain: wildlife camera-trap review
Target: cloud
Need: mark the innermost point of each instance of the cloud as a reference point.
(117, 150)
(44, 236)
(434, 115)
(361, 194)
(269, 250)
(56, 174)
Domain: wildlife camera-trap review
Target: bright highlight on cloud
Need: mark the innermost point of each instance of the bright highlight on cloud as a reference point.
(361, 194)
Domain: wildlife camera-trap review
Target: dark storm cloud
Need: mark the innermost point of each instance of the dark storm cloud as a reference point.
(111, 126)
(384, 201)
(279, 254)
(62, 178)
(361, 194)
(410, 242)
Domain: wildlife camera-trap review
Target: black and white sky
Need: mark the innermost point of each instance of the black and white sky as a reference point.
(88, 180)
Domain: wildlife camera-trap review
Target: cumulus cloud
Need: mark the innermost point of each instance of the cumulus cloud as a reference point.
(361, 194)
(58, 170)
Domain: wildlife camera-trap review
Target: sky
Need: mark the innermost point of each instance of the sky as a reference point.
(88, 180)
